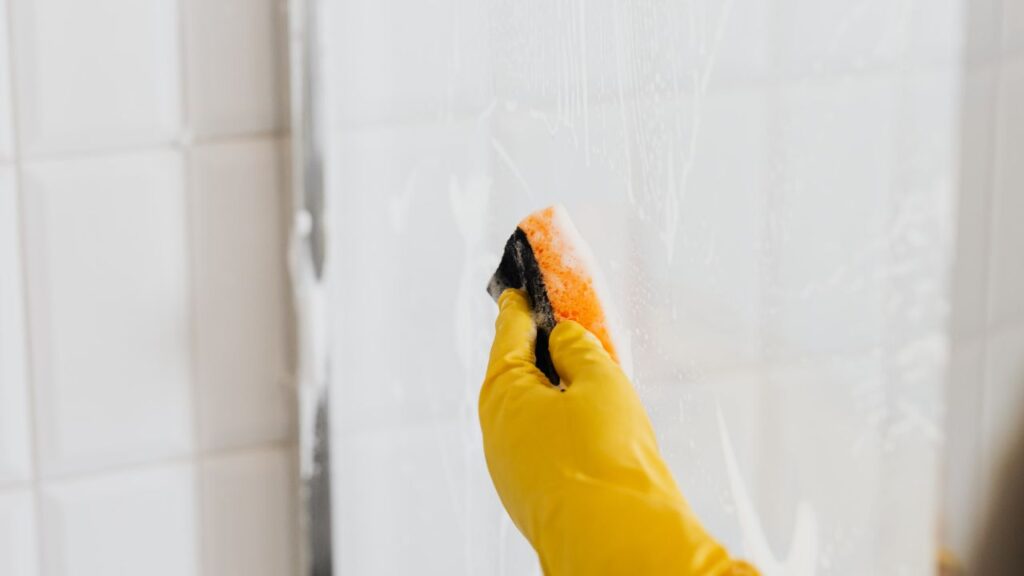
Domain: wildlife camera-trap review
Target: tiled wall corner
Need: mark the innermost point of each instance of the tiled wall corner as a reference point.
(248, 512)
(1006, 287)
(237, 81)
(1003, 395)
(964, 473)
(985, 391)
(240, 280)
(15, 442)
(136, 522)
(969, 314)
(107, 277)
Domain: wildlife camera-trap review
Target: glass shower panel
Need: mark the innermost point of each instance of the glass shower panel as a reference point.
(765, 184)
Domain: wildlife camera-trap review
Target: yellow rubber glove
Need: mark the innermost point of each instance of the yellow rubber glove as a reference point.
(579, 471)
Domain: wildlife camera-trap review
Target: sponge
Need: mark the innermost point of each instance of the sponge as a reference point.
(548, 259)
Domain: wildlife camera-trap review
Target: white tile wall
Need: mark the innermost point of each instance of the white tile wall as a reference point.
(95, 75)
(6, 118)
(18, 553)
(15, 442)
(424, 161)
(156, 337)
(826, 157)
(248, 513)
(698, 467)
(400, 496)
(235, 64)
(834, 193)
(108, 292)
(138, 522)
(240, 280)
(816, 38)
(722, 211)
(435, 81)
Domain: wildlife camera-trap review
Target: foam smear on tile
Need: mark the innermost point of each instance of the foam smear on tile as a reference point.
(803, 545)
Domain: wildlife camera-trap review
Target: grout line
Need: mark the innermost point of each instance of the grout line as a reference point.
(190, 224)
(192, 241)
(172, 145)
(181, 460)
(184, 144)
(28, 352)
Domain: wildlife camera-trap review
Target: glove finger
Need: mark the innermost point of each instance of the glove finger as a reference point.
(576, 351)
(515, 335)
(511, 372)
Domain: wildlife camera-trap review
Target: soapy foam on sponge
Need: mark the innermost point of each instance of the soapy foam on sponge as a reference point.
(559, 251)
(548, 259)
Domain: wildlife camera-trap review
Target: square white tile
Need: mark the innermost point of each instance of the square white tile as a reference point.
(833, 37)
(95, 75)
(249, 515)
(238, 199)
(385, 62)
(6, 118)
(1006, 276)
(135, 522)
(15, 441)
(716, 268)
(410, 180)
(569, 60)
(406, 501)
(919, 222)
(868, 467)
(422, 501)
(108, 309)
(236, 55)
(684, 410)
(828, 206)
(18, 552)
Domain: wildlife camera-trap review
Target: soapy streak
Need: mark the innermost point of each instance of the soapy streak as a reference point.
(803, 545)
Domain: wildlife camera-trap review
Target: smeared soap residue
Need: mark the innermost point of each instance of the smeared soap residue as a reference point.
(803, 546)
(503, 154)
(469, 202)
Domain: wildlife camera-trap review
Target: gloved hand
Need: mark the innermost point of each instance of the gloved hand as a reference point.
(579, 471)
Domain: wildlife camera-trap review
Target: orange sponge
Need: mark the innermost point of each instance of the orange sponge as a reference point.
(547, 258)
